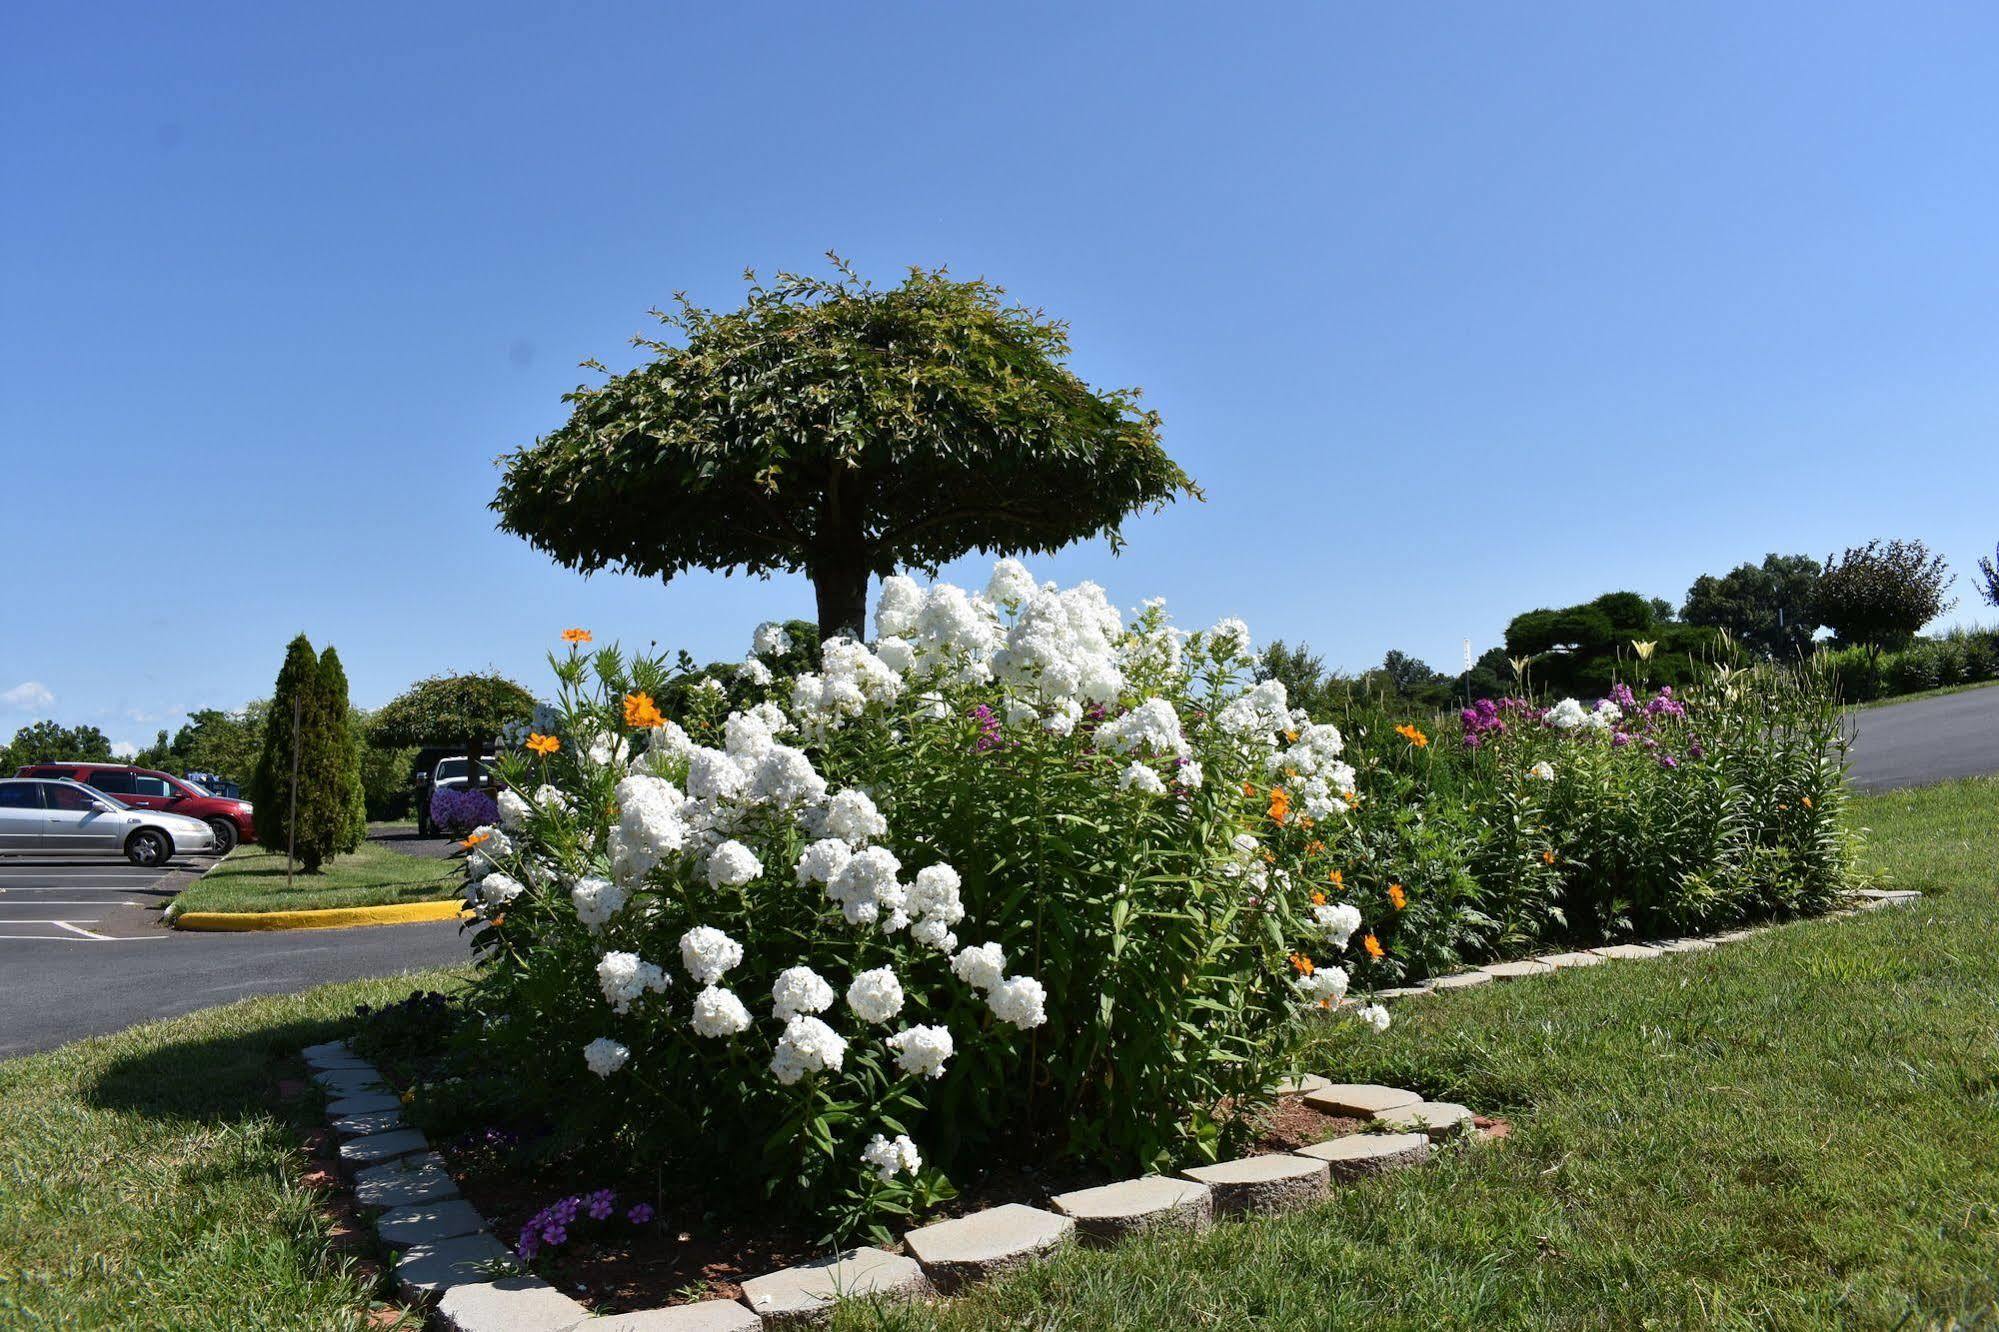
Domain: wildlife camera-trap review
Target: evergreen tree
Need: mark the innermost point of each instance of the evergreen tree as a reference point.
(289, 719)
(309, 730)
(349, 816)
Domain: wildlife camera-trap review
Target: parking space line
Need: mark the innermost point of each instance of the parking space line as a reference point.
(78, 929)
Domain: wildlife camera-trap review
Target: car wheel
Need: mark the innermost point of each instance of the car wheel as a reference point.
(225, 835)
(147, 848)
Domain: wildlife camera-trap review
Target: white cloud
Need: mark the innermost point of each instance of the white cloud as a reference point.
(28, 695)
(124, 749)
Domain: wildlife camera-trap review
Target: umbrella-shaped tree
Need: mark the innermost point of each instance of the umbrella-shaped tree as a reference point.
(469, 710)
(832, 428)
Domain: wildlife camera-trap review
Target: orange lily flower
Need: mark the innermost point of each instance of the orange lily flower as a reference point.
(575, 635)
(1301, 964)
(1373, 946)
(1397, 896)
(543, 745)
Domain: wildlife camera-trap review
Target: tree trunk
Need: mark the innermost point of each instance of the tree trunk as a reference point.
(842, 593)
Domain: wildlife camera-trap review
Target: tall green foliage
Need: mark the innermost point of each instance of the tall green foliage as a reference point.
(308, 731)
(349, 812)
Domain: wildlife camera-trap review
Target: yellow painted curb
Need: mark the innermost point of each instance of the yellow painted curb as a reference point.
(334, 918)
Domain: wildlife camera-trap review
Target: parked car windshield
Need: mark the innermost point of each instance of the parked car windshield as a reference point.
(454, 768)
(61, 795)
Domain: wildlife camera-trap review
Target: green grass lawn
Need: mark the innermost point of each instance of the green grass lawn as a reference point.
(1796, 1131)
(252, 878)
(149, 1179)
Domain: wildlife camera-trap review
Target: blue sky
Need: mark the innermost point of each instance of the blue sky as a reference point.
(1454, 310)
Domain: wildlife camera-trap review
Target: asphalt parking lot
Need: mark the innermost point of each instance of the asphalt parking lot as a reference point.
(96, 899)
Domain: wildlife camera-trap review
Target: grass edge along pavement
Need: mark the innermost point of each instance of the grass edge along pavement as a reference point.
(1791, 1132)
(252, 879)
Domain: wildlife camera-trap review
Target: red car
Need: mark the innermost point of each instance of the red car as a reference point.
(143, 788)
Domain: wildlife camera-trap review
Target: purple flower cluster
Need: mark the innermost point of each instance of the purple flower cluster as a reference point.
(989, 728)
(1487, 719)
(456, 810)
(549, 1228)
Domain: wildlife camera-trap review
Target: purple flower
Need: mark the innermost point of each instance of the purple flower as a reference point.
(989, 728)
(1667, 760)
(455, 810)
(602, 1203)
(640, 1214)
(1695, 749)
(1619, 740)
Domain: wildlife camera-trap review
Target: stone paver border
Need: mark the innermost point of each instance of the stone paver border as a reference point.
(445, 1253)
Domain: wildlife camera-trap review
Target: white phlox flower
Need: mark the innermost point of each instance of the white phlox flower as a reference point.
(875, 996)
(982, 967)
(1324, 985)
(807, 1046)
(624, 977)
(1153, 727)
(732, 864)
(1138, 777)
(1019, 1000)
(889, 1159)
(921, 1052)
(851, 816)
(707, 953)
(596, 901)
(1336, 922)
(605, 1056)
(865, 885)
(717, 1012)
(799, 990)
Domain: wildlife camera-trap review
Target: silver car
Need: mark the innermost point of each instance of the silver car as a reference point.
(53, 816)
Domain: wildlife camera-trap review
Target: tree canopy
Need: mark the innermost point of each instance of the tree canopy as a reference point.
(1582, 648)
(1881, 593)
(469, 710)
(1768, 607)
(50, 742)
(1988, 575)
(836, 429)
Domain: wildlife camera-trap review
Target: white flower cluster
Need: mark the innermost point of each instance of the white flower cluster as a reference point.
(1153, 727)
(717, 1012)
(707, 953)
(849, 678)
(624, 977)
(605, 1056)
(890, 1158)
(921, 1051)
(875, 996)
(770, 640)
(807, 1046)
(799, 990)
(1542, 771)
(1019, 1000)
(1326, 984)
(1337, 922)
(937, 633)
(596, 901)
(1570, 715)
(1312, 770)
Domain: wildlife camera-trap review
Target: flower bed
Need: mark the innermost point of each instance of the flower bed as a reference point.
(1023, 883)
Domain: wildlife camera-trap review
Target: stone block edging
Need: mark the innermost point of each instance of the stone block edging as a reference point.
(446, 1258)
